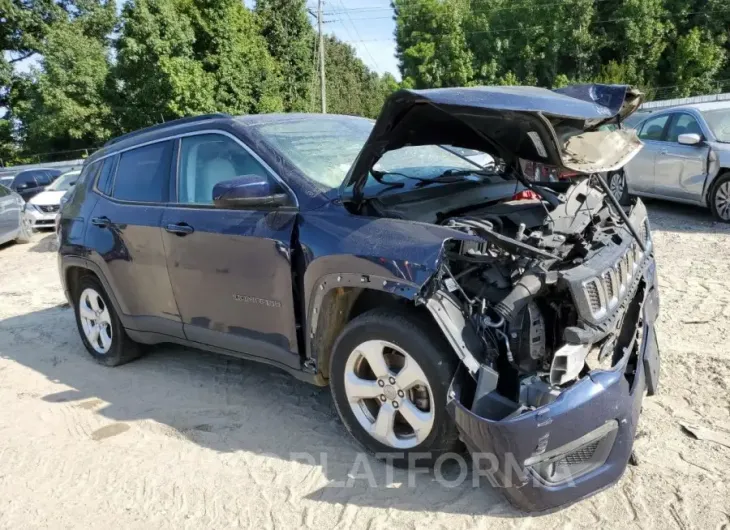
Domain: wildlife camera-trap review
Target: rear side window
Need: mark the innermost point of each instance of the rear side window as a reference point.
(43, 178)
(653, 128)
(143, 173)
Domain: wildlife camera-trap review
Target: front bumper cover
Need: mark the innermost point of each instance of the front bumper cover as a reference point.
(591, 426)
(40, 219)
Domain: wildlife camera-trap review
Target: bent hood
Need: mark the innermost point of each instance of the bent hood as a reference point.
(554, 127)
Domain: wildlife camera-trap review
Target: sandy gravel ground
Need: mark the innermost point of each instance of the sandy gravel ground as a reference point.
(184, 439)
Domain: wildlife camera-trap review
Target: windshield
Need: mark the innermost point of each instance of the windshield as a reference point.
(64, 182)
(719, 122)
(324, 148)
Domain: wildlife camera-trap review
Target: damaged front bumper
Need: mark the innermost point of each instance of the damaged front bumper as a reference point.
(575, 446)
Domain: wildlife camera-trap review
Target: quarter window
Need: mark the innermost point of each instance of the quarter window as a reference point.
(104, 184)
(653, 128)
(683, 124)
(208, 159)
(143, 173)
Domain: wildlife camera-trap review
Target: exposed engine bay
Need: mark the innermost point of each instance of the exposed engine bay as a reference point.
(537, 293)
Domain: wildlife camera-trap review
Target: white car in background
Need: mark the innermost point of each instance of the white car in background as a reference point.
(41, 209)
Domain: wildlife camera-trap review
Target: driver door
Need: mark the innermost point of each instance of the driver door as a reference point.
(230, 269)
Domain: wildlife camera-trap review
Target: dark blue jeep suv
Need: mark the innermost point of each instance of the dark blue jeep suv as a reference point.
(443, 302)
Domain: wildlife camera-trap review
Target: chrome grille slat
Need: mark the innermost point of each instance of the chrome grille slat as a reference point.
(604, 292)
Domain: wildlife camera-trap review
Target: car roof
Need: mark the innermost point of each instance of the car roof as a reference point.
(710, 105)
(37, 170)
(202, 122)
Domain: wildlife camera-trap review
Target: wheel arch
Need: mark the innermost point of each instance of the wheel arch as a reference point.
(723, 170)
(338, 299)
(73, 269)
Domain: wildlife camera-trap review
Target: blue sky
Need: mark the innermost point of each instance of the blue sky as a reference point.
(368, 26)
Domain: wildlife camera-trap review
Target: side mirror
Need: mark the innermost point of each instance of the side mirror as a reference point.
(689, 139)
(248, 191)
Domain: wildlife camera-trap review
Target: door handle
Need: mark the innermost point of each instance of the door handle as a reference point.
(663, 152)
(180, 229)
(101, 222)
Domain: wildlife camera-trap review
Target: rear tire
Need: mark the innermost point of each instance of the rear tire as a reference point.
(719, 198)
(99, 326)
(619, 187)
(413, 400)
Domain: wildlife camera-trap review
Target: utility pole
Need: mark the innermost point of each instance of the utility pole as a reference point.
(322, 87)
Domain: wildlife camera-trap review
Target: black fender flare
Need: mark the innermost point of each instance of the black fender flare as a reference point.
(325, 285)
(77, 261)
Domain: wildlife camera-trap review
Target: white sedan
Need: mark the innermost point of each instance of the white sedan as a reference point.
(41, 209)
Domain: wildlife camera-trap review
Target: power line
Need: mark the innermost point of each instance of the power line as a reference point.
(357, 33)
(540, 26)
(511, 7)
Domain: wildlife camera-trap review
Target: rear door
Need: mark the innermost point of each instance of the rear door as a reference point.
(681, 170)
(640, 170)
(125, 237)
(230, 269)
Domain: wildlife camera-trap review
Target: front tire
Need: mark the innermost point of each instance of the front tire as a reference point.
(99, 326)
(619, 187)
(720, 198)
(389, 377)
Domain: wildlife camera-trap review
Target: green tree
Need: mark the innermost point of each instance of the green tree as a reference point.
(231, 49)
(431, 43)
(157, 76)
(61, 104)
(290, 40)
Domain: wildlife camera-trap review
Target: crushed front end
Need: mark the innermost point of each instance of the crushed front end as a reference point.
(552, 312)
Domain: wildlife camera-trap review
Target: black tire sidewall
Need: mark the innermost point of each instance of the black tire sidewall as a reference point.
(427, 351)
(711, 199)
(115, 354)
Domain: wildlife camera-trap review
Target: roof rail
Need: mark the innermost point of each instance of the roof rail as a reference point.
(164, 125)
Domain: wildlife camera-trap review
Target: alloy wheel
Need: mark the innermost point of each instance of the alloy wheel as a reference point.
(722, 200)
(389, 394)
(95, 320)
(617, 184)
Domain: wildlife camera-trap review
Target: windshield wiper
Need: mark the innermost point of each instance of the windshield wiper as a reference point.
(457, 175)
(450, 175)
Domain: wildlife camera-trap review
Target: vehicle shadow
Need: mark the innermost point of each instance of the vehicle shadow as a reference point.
(48, 243)
(229, 405)
(668, 216)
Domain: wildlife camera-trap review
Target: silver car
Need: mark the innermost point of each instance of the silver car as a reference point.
(686, 158)
(13, 225)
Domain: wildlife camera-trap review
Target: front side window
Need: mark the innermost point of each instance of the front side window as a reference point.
(143, 173)
(683, 124)
(4, 192)
(24, 181)
(208, 159)
(653, 128)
